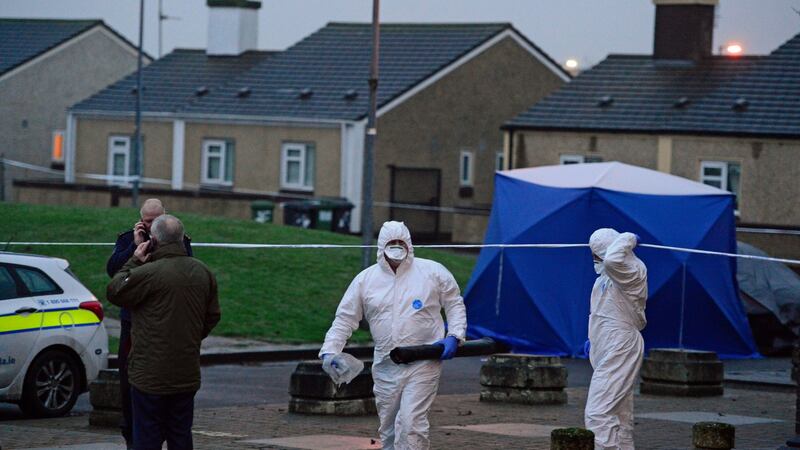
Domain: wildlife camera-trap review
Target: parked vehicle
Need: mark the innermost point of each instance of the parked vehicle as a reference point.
(52, 339)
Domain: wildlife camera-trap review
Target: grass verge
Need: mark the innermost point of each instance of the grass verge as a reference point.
(279, 295)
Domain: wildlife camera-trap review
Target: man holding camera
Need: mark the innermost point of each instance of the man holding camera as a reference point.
(173, 302)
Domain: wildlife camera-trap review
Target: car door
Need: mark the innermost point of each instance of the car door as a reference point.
(20, 324)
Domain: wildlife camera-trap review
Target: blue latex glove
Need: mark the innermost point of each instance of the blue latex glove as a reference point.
(328, 355)
(450, 344)
(587, 347)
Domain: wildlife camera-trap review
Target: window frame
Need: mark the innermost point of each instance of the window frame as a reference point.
(53, 158)
(571, 158)
(19, 293)
(724, 166)
(499, 161)
(58, 289)
(22, 288)
(119, 180)
(303, 184)
(722, 177)
(226, 151)
(470, 166)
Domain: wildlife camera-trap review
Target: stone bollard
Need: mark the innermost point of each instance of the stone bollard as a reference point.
(313, 392)
(713, 435)
(571, 439)
(105, 399)
(526, 379)
(795, 441)
(682, 373)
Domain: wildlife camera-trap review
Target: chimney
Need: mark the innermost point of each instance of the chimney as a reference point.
(232, 26)
(684, 29)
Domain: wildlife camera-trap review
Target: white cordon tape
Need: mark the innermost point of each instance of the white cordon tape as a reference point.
(438, 246)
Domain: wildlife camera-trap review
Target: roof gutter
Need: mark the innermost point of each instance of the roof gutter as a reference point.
(511, 127)
(216, 118)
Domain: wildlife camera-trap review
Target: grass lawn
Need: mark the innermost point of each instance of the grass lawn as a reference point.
(281, 295)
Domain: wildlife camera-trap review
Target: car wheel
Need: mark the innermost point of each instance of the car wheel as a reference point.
(52, 385)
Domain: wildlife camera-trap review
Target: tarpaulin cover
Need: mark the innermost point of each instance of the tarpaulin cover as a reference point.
(537, 300)
(773, 285)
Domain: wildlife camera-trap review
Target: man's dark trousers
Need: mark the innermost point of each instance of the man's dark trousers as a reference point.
(125, 388)
(160, 417)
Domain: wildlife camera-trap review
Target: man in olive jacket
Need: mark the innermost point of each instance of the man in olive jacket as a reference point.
(173, 298)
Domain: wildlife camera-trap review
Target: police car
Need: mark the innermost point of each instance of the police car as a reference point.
(52, 339)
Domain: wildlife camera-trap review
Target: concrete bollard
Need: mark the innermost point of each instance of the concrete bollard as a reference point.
(713, 435)
(682, 373)
(571, 439)
(313, 392)
(105, 399)
(526, 379)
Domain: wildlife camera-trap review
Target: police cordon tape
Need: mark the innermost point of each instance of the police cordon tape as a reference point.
(431, 246)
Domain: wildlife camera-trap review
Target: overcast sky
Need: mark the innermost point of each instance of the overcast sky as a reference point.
(587, 30)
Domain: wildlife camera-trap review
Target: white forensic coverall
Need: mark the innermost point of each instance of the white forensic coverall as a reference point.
(402, 309)
(617, 315)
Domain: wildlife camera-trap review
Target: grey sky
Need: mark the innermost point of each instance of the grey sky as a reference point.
(584, 29)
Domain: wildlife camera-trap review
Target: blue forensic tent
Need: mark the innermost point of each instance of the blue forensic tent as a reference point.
(537, 299)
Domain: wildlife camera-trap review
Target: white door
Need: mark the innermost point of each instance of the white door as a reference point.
(20, 324)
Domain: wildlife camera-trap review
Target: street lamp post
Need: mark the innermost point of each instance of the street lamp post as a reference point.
(369, 142)
(137, 139)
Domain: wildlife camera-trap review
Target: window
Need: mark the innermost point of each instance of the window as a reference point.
(465, 168)
(499, 161)
(37, 282)
(579, 159)
(58, 146)
(8, 287)
(297, 166)
(120, 163)
(218, 162)
(724, 175)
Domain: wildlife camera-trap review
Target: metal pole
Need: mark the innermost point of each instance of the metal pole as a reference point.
(137, 139)
(160, 21)
(369, 141)
(2, 177)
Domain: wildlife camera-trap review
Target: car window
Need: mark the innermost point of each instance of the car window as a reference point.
(8, 288)
(37, 282)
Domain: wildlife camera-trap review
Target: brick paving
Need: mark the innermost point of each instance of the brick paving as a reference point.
(230, 427)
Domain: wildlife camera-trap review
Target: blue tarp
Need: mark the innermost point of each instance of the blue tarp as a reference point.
(537, 300)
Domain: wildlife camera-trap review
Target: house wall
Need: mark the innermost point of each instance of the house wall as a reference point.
(770, 182)
(533, 149)
(91, 146)
(258, 154)
(461, 111)
(257, 151)
(41, 92)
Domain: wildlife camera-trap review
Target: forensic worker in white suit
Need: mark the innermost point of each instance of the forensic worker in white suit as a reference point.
(401, 297)
(616, 345)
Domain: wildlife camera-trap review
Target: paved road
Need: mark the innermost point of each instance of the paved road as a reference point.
(232, 385)
(268, 383)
